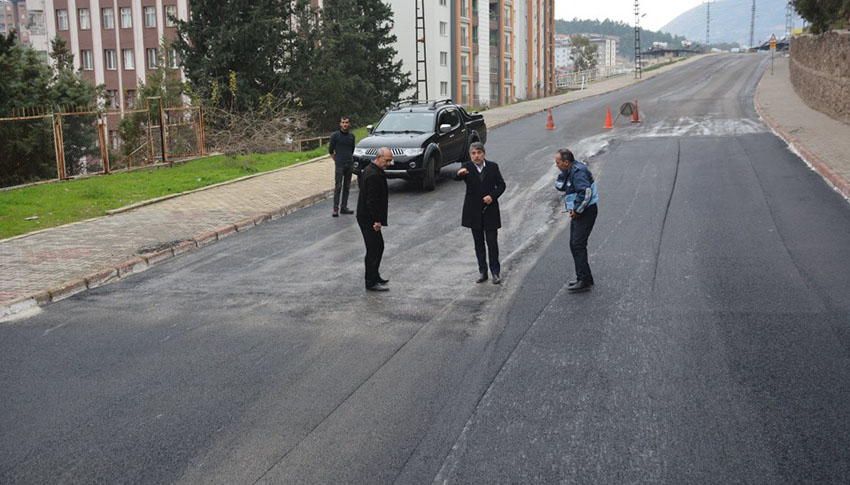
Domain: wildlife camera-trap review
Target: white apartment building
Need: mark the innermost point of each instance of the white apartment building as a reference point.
(606, 53)
(564, 61)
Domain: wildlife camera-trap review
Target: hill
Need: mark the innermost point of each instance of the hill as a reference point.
(625, 32)
(730, 21)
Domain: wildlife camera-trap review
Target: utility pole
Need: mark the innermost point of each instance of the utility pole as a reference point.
(753, 25)
(789, 23)
(421, 63)
(707, 24)
(638, 67)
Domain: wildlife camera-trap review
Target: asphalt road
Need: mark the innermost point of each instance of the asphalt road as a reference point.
(713, 349)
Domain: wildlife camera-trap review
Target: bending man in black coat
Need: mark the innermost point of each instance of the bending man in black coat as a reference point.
(484, 186)
(372, 205)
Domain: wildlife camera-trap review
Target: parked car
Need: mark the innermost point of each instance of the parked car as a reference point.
(424, 137)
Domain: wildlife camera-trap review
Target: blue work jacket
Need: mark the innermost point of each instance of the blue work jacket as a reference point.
(579, 186)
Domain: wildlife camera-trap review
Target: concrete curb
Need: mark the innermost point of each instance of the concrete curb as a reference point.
(811, 159)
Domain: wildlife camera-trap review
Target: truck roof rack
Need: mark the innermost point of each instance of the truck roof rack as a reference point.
(432, 104)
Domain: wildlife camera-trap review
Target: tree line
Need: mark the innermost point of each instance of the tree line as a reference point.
(623, 31)
(824, 14)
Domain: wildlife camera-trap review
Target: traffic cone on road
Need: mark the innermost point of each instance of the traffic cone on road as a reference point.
(608, 125)
(550, 124)
(636, 117)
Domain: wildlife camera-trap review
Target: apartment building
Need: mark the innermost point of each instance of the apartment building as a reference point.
(8, 22)
(606, 52)
(114, 42)
(564, 61)
(479, 52)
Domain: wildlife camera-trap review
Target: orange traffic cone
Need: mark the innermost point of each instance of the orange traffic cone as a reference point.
(608, 125)
(550, 124)
(636, 117)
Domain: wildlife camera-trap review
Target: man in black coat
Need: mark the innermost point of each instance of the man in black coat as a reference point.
(341, 150)
(372, 205)
(484, 186)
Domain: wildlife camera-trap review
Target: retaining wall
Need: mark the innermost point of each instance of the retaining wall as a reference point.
(820, 72)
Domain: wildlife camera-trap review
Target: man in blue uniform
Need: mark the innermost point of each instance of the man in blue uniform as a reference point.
(580, 200)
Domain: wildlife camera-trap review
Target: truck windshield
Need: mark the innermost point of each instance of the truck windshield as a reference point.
(398, 122)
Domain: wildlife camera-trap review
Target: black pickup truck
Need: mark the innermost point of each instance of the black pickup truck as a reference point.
(424, 136)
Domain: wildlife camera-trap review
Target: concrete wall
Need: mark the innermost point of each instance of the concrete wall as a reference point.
(820, 72)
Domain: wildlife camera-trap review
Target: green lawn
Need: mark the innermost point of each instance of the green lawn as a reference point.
(38, 207)
(41, 206)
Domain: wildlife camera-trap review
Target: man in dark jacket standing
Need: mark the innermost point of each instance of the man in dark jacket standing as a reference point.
(580, 201)
(372, 205)
(341, 150)
(484, 186)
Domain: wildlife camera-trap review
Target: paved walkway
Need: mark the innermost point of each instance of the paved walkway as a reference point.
(50, 265)
(823, 142)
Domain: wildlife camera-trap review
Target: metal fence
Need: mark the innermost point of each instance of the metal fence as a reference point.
(580, 78)
(38, 144)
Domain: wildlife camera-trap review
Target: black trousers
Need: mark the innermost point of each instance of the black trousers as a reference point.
(491, 236)
(374, 251)
(579, 233)
(342, 183)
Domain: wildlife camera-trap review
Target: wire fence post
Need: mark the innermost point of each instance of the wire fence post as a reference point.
(101, 135)
(60, 147)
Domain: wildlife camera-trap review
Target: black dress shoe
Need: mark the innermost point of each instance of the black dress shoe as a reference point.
(377, 287)
(382, 281)
(573, 283)
(580, 286)
(346, 210)
(335, 213)
(496, 279)
(481, 278)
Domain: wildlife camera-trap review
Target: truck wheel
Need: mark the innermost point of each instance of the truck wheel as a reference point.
(429, 180)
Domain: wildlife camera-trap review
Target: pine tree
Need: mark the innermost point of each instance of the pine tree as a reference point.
(247, 37)
(355, 75)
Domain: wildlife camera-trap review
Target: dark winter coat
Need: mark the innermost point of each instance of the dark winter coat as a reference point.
(373, 201)
(477, 214)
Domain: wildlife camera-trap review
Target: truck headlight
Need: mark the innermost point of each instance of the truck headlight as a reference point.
(359, 152)
(412, 152)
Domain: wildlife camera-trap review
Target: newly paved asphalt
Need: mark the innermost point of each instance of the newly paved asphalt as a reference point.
(713, 349)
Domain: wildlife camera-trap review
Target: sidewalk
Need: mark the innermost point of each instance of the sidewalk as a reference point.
(51, 265)
(823, 142)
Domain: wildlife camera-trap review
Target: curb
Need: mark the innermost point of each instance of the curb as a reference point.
(146, 261)
(836, 181)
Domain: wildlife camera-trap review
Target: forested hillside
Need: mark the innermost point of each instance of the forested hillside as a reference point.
(625, 32)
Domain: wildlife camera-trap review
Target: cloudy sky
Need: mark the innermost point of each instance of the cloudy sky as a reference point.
(658, 12)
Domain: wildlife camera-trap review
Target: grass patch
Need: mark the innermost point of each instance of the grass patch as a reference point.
(48, 205)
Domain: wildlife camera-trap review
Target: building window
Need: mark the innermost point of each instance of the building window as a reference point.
(172, 59)
(464, 65)
(443, 28)
(507, 94)
(85, 19)
(443, 3)
(170, 15)
(129, 59)
(86, 60)
(464, 38)
(444, 88)
(464, 8)
(130, 99)
(474, 34)
(114, 140)
(507, 41)
(507, 16)
(62, 19)
(507, 68)
(109, 56)
(464, 93)
(113, 98)
(126, 18)
(444, 58)
(152, 59)
(108, 18)
(150, 17)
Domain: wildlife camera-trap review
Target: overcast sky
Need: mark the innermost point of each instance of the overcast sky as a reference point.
(658, 12)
